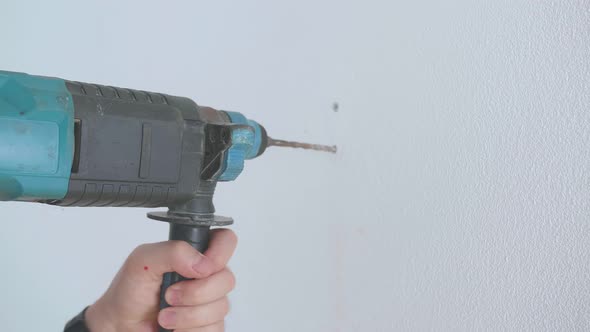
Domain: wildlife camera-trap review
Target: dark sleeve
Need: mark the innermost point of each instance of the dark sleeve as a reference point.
(77, 324)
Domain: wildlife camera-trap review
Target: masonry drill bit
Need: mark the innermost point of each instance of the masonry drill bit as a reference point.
(307, 146)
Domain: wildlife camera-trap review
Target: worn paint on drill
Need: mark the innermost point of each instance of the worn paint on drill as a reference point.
(36, 137)
(242, 141)
(239, 118)
(246, 143)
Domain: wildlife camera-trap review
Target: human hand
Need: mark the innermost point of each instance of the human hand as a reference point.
(131, 304)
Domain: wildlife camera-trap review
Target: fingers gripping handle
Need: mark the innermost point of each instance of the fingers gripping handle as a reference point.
(198, 237)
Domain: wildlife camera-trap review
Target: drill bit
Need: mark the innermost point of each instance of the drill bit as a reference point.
(307, 146)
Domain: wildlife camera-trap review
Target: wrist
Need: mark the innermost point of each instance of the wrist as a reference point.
(98, 319)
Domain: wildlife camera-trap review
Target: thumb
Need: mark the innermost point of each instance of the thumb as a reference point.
(155, 259)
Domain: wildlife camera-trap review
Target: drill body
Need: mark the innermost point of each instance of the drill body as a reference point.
(76, 144)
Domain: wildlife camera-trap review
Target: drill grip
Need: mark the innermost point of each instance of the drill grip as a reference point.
(196, 236)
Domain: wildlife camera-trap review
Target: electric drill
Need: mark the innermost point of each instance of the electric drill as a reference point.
(69, 143)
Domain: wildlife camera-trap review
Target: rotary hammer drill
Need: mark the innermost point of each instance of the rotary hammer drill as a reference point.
(69, 143)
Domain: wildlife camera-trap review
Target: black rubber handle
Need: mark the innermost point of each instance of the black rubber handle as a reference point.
(198, 237)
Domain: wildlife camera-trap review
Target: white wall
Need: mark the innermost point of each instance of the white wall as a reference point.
(458, 200)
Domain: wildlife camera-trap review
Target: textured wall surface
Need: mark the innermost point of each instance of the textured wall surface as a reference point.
(458, 200)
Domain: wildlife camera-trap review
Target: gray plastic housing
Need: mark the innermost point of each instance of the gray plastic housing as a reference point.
(139, 149)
